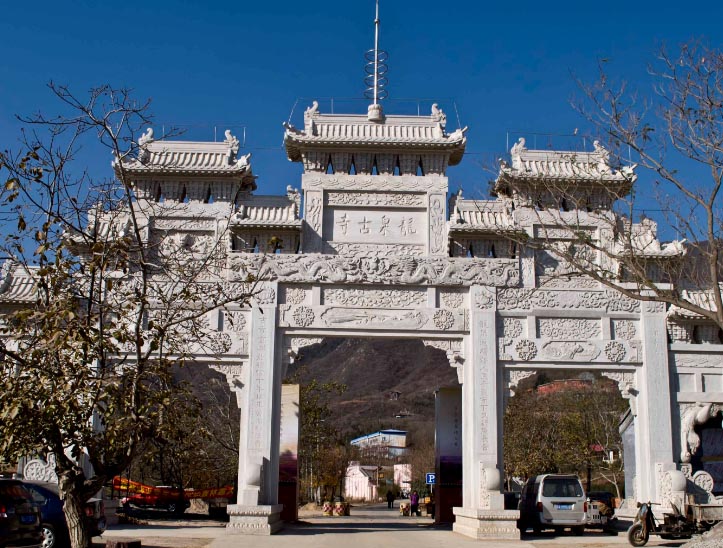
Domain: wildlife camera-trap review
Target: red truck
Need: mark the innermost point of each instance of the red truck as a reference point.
(163, 498)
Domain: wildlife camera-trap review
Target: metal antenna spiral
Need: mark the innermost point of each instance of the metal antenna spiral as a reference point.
(376, 69)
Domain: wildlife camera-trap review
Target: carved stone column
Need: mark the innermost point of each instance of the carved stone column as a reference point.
(257, 511)
(483, 514)
(653, 428)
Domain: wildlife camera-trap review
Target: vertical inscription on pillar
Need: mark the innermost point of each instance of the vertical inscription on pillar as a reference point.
(258, 380)
(483, 326)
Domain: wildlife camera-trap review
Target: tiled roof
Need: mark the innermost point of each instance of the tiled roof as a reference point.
(17, 284)
(479, 215)
(563, 165)
(269, 211)
(644, 242)
(189, 157)
(408, 132)
(699, 297)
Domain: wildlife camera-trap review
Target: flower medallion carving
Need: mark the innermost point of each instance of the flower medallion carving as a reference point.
(235, 320)
(295, 295)
(218, 343)
(704, 480)
(266, 296)
(625, 329)
(526, 349)
(304, 316)
(443, 319)
(451, 299)
(512, 328)
(615, 351)
(40, 470)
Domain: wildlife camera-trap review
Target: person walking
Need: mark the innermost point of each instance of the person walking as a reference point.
(414, 503)
(390, 499)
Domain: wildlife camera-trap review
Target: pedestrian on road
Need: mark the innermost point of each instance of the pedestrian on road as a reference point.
(414, 503)
(390, 499)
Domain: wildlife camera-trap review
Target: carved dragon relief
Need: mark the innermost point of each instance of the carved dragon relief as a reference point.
(385, 270)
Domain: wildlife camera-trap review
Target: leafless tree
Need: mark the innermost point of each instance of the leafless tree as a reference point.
(583, 224)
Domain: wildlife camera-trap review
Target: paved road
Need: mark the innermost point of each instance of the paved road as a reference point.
(367, 527)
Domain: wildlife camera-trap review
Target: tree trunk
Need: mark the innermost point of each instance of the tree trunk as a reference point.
(70, 485)
(73, 508)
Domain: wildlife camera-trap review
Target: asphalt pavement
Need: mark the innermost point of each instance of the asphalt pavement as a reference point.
(366, 527)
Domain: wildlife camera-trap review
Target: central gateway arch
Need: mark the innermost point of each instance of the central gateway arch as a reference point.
(378, 254)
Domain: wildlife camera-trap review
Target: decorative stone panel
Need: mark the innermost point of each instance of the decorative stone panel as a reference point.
(545, 350)
(376, 199)
(375, 298)
(541, 299)
(568, 328)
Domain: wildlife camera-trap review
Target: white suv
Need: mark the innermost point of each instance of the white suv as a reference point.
(553, 501)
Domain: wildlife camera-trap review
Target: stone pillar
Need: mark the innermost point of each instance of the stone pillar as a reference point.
(257, 511)
(483, 514)
(653, 425)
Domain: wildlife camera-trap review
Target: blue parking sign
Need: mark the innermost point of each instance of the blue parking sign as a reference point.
(431, 478)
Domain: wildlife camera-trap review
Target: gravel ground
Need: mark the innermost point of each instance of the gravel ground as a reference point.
(712, 539)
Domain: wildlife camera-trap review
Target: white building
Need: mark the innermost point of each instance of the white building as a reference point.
(388, 443)
(360, 482)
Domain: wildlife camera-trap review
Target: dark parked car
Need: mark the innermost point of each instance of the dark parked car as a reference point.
(19, 517)
(55, 530)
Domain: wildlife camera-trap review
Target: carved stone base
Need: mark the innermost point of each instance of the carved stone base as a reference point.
(254, 520)
(486, 524)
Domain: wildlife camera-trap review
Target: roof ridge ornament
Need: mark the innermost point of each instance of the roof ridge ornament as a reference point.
(439, 116)
(146, 138)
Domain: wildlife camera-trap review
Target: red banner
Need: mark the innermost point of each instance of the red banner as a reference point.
(130, 486)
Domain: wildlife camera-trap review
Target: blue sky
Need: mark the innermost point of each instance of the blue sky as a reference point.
(506, 66)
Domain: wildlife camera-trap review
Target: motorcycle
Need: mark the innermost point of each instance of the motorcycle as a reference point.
(675, 525)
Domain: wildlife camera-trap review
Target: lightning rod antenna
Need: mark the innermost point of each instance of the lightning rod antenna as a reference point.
(376, 69)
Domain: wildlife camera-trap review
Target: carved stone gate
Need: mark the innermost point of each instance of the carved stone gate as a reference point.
(377, 254)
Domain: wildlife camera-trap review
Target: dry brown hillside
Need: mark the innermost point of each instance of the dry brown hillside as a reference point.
(374, 370)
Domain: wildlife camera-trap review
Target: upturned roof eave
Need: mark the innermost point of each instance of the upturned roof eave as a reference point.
(295, 144)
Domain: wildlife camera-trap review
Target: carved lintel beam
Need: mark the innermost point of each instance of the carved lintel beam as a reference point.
(391, 270)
